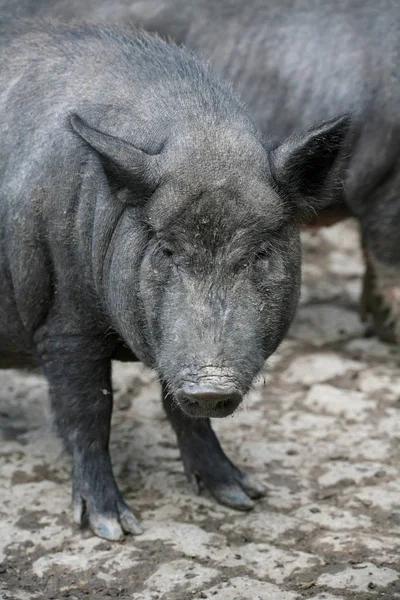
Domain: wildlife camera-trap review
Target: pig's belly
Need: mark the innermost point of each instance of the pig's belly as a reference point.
(327, 217)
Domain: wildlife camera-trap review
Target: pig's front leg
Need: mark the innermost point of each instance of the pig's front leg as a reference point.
(204, 460)
(80, 389)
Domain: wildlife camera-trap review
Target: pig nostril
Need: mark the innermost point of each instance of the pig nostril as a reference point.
(190, 402)
(223, 403)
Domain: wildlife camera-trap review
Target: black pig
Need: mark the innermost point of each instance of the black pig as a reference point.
(143, 216)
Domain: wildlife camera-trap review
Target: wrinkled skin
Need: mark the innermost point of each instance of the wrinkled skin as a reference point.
(297, 62)
(143, 217)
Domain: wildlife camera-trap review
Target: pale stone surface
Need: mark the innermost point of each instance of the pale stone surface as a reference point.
(271, 562)
(248, 589)
(380, 381)
(321, 431)
(314, 368)
(372, 349)
(357, 579)
(341, 265)
(267, 526)
(188, 539)
(184, 574)
(382, 549)
(335, 401)
(386, 498)
(325, 596)
(344, 472)
(333, 518)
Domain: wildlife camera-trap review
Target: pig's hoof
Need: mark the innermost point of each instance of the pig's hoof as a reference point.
(110, 525)
(239, 494)
(225, 482)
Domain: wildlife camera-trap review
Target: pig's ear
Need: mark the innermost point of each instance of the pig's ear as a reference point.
(306, 166)
(127, 162)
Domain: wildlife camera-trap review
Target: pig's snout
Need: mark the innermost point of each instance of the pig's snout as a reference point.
(208, 399)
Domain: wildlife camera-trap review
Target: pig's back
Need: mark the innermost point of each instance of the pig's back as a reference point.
(298, 62)
(136, 84)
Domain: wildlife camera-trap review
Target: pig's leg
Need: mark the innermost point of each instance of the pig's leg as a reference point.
(205, 461)
(381, 298)
(80, 389)
(381, 290)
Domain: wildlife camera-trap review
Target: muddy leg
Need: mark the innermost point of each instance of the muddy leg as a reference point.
(80, 389)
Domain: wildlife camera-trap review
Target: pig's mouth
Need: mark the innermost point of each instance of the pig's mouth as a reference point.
(208, 401)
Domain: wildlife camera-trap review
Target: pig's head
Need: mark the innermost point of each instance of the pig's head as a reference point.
(200, 264)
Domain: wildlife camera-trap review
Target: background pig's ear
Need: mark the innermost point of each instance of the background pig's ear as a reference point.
(307, 166)
(119, 156)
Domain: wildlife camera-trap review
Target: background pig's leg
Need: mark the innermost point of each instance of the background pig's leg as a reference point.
(80, 389)
(381, 294)
(205, 461)
(381, 298)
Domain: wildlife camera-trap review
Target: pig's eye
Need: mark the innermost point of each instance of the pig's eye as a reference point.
(262, 254)
(167, 252)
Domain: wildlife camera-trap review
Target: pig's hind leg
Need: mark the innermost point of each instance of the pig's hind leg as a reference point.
(204, 460)
(380, 227)
(381, 299)
(80, 389)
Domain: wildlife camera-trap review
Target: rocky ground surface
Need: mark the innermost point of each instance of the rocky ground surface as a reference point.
(321, 431)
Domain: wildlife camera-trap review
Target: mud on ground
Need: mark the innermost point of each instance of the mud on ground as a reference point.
(322, 433)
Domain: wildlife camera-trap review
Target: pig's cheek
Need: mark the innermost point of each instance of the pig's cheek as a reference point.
(152, 291)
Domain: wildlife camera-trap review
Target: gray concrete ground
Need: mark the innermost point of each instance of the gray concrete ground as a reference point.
(322, 432)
